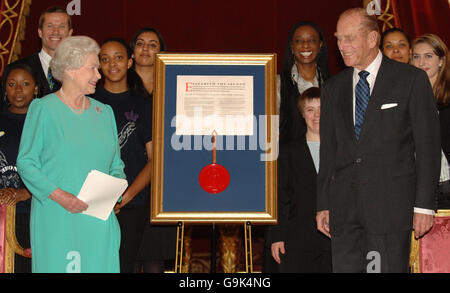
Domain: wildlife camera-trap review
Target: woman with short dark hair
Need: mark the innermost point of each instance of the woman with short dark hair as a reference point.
(296, 244)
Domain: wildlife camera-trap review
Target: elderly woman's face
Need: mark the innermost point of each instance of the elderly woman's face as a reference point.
(86, 77)
(146, 47)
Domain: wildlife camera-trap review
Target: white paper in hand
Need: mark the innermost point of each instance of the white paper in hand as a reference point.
(101, 192)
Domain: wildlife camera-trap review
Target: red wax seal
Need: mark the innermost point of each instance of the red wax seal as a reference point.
(214, 178)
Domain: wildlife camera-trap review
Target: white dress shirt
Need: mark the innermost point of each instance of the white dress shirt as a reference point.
(45, 61)
(371, 78)
(373, 71)
(302, 84)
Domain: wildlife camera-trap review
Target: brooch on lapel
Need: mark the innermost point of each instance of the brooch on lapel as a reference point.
(98, 109)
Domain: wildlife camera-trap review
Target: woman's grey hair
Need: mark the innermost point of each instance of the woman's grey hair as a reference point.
(71, 53)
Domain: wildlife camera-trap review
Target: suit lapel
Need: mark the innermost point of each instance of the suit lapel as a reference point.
(304, 158)
(346, 102)
(377, 94)
(37, 66)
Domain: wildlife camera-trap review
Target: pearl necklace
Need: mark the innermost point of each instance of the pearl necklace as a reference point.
(76, 111)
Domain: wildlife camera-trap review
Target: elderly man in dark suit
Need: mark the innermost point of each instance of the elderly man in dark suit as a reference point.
(54, 26)
(379, 156)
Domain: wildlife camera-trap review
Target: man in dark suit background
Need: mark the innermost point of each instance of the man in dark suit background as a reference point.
(379, 154)
(54, 26)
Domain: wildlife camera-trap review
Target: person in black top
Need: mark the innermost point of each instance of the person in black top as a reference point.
(146, 43)
(20, 88)
(305, 65)
(124, 91)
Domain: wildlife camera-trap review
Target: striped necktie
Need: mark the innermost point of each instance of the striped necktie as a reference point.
(51, 81)
(362, 94)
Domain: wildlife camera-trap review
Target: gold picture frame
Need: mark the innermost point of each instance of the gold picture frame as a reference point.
(170, 65)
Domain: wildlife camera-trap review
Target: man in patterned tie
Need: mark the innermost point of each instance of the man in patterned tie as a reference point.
(54, 26)
(379, 153)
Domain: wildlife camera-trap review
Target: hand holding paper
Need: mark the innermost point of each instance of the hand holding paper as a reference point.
(101, 191)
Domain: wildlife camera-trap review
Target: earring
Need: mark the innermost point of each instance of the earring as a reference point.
(6, 101)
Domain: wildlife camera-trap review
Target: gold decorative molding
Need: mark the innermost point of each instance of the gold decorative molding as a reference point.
(187, 250)
(229, 237)
(12, 28)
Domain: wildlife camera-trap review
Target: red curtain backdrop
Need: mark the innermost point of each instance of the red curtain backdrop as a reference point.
(232, 26)
(418, 17)
(207, 26)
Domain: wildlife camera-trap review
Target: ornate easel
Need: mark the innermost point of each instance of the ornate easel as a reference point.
(181, 267)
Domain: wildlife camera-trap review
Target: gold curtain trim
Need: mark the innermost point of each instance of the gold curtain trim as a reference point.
(16, 34)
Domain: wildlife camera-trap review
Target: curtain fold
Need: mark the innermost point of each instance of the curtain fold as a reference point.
(418, 17)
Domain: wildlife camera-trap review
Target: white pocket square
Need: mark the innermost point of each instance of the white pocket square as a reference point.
(387, 106)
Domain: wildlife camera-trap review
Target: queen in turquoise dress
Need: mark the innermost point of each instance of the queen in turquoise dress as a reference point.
(65, 136)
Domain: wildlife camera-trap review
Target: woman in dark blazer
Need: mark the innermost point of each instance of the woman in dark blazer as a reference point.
(296, 244)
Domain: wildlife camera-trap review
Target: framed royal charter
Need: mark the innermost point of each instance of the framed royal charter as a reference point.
(215, 139)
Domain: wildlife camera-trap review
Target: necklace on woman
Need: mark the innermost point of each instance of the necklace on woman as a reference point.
(76, 111)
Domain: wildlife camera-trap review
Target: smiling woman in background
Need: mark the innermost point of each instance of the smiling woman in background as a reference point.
(431, 54)
(305, 65)
(66, 135)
